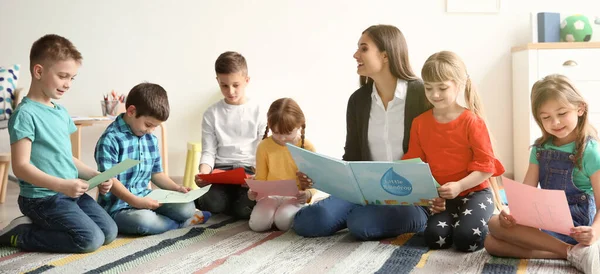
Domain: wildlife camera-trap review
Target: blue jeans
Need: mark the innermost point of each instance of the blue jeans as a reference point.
(66, 225)
(148, 222)
(369, 222)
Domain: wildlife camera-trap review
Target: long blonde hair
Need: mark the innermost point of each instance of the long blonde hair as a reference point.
(448, 66)
(286, 115)
(560, 88)
(389, 39)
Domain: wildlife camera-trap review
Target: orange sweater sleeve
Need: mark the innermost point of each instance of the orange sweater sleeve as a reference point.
(414, 144)
(484, 159)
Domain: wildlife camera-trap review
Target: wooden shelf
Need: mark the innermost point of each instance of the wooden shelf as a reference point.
(558, 45)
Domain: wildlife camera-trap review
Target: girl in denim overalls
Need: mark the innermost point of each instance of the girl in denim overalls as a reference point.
(566, 157)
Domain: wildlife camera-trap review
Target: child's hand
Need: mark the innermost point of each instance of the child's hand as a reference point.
(252, 195)
(145, 203)
(183, 189)
(305, 182)
(303, 196)
(437, 205)
(105, 187)
(74, 188)
(584, 235)
(506, 220)
(450, 190)
(200, 182)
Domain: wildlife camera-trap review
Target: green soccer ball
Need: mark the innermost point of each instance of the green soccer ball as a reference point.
(575, 28)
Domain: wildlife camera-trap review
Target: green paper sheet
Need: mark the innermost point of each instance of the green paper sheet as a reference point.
(112, 172)
(175, 197)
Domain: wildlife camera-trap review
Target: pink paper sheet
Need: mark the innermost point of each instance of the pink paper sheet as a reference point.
(275, 188)
(539, 208)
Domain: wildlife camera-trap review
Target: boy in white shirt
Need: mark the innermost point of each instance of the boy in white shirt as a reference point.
(231, 131)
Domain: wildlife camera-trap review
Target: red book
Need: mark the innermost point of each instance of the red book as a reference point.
(232, 177)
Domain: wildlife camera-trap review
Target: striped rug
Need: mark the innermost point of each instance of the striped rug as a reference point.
(224, 245)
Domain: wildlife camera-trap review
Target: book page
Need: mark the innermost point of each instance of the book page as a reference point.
(329, 175)
(539, 208)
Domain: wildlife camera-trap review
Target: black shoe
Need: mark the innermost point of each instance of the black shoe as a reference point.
(9, 234)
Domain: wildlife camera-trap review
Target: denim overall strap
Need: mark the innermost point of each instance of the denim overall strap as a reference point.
(556, 172)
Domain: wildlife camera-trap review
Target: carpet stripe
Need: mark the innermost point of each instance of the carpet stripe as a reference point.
(75, 257)
(460, 262)
(200, 246)
(198, 260)
(333, 255)
(402, 239)
(220, 261)
(287, 253)
(550, 267)
(499, 269)
(368, 257)
(11, 256)
(423, 260)
(501, 265)
(28, 261)
(522, 268)
(41, 269)
(405, 257)
(163, 244)
(194, 232)
(139, 244)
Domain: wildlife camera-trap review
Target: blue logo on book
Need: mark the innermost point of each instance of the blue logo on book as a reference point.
(395, 184)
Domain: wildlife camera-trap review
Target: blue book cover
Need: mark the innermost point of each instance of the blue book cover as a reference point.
(386, 183)
(395, 183)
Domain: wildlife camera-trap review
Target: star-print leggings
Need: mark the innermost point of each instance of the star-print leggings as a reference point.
(464, 222)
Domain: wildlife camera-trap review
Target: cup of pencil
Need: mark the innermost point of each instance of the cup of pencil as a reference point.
(113, 104)
(110, 107)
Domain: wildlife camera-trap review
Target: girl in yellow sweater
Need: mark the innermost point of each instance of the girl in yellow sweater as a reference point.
(274, 162)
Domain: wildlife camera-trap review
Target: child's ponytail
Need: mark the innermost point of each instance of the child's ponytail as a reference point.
(302, 134)
(266, 133)
(472, 98)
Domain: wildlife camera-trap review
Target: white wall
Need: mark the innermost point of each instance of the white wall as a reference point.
(299, 49)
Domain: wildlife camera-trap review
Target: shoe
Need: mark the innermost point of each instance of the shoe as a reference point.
(9, 234)
(199, 217)
(585, 258)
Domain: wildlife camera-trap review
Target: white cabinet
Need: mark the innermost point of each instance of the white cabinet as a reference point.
(578, 61)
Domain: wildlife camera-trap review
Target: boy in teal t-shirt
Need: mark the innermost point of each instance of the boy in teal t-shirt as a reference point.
(59, 215)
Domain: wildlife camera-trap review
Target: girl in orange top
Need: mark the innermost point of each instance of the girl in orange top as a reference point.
(455, 142)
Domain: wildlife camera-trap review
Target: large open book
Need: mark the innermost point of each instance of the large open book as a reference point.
(384, 183)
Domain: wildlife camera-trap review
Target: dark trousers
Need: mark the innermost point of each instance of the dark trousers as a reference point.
(228, 199)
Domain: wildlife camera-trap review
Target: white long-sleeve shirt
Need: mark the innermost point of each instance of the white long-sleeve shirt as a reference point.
(231, 133)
